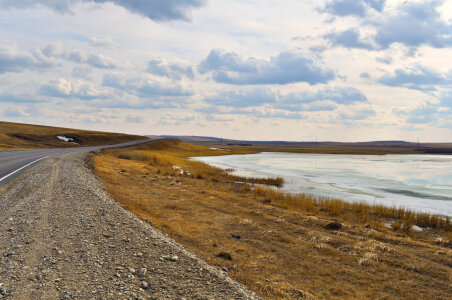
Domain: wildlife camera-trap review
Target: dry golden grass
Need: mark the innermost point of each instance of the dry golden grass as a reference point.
(355, 211)
(15, 136)
(170, 157)
(275, 249)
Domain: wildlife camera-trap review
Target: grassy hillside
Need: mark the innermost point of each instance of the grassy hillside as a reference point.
(16, 136)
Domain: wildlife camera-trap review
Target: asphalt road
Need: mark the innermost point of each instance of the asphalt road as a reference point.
(12, 164)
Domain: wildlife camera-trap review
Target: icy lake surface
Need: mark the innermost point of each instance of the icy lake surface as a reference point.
(419, 182)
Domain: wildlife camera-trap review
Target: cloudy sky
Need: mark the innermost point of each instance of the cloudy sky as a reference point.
(342, 70)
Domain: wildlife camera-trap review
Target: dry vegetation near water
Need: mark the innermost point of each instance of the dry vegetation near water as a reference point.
(276, 245)
(357, 212)
(16, 136)
(170, 157)
(440, 148)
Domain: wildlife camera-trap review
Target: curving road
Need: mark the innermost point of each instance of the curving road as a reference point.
(12, 164)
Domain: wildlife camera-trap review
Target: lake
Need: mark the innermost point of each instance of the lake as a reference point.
(419, 182)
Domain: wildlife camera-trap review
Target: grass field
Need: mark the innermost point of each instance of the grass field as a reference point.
(280, 245)
(16, 136)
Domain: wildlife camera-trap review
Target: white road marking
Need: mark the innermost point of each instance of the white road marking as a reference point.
(4, 177)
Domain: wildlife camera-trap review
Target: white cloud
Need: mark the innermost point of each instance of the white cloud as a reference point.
(145, 86)
(63, 88)
(15, 112)
(175, 69)
(103, 43)
(158, 10)
(359, 62)
(287, 67)
(411, 23)
(177, 118)
(11, 60)
(97, 60)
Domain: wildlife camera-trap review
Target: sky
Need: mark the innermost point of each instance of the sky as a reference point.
(301, 70)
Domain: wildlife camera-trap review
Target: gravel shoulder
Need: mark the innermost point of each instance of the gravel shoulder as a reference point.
(62, 237)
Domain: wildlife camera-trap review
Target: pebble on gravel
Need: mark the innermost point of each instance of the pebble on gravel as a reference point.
(175, 258)
(144, 285)
(143, 271)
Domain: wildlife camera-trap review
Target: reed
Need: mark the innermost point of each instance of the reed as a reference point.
(403, 218)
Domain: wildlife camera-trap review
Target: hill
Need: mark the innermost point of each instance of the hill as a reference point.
(17, 136)
(327, 147)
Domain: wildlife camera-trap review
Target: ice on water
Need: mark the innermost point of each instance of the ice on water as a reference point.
(419, 182)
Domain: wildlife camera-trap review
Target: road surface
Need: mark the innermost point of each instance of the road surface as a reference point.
(12, 164)
(63, 237)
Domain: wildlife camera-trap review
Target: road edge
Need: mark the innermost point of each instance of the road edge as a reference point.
(164, 237)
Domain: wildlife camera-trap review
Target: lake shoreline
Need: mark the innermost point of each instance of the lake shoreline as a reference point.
(416, 181)
(278, 245)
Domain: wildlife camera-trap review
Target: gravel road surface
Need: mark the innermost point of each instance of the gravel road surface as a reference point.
(62, 237)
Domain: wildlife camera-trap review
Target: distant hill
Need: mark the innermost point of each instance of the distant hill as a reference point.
(17, 136)
(186, 138)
